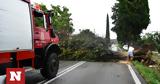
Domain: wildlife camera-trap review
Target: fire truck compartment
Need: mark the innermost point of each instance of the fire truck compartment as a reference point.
(15, 26)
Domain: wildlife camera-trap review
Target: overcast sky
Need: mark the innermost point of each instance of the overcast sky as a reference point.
(91, 14)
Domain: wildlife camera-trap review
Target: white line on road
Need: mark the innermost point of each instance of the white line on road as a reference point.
(136, 80)
(29, 69)
(63, 71)
(70, 67)
(66, 71)
(2, 79)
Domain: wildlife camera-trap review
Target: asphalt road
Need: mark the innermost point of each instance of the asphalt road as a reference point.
(74, 72)
(34, 77)
(97, 73)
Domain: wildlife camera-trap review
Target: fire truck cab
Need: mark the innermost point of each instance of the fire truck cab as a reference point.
(27, 38)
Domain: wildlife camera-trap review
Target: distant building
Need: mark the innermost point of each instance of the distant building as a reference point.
(113, 41)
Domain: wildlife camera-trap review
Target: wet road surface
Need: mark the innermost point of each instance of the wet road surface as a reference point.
(75, 72)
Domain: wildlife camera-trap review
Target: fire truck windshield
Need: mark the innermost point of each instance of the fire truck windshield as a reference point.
(39, 19)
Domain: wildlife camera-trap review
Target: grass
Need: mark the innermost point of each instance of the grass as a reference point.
(150, 75)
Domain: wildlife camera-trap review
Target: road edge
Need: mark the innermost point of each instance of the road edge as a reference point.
(138, 75)
(65, 71)
(138, 79)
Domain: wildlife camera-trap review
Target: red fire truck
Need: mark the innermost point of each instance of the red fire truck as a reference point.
(26, 42)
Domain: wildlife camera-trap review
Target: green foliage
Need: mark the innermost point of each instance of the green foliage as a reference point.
(150, 75)
(61, 20)
(130, 17)
(86, 46)
(43, 7)
(151, 38)
(39, 22)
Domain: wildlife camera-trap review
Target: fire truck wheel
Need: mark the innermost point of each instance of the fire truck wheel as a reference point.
(4, 66)
(51, 66)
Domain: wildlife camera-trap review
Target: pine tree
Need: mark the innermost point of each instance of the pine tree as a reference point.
(107, 31)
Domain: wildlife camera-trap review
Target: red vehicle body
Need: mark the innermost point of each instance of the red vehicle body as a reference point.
(45, 51)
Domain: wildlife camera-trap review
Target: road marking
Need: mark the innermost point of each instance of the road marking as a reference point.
(70, 67)
(62, 71)
(136, 80)
(2, 79)
(29, 69)
(65, 71)
(2, 76)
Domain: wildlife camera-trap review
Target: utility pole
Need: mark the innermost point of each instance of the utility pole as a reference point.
(107, 31)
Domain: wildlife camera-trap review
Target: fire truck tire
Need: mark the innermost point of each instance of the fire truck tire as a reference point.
(3, 69)
(4, 66)
(51, 66)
